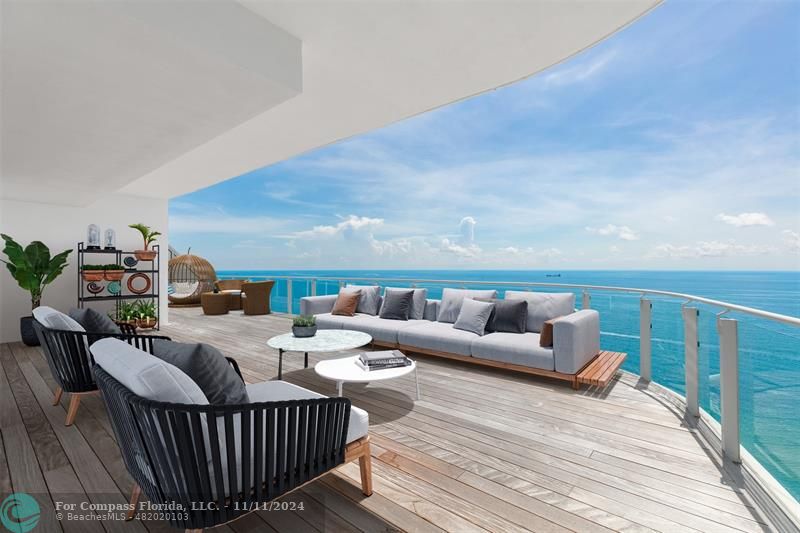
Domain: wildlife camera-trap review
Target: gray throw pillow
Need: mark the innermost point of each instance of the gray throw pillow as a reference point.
(94, 321)
(418, 304)
(207, 367)
(370, 301)
(452, 298)
(397, 304)
(544, 306)
(508, 316)
(474, 316)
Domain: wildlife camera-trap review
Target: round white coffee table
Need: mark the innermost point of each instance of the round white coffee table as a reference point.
(347, 370)
(326, 340)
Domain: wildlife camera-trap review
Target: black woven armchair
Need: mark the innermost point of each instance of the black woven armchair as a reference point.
(67, 354)
(215, 463)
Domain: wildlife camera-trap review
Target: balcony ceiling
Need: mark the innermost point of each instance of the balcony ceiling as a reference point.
(165, 99)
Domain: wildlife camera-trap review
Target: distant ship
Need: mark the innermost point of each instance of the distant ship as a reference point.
(552, 275)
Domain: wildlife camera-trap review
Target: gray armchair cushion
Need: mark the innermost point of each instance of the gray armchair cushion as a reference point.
(370, 301)
(431, 310)
(207, 367)
(576, 340)
(544, 306)
(474, 316)
(450, 305)
(53, 319)
(516, 348)
(397, 304)
(420, 301)
(437, 336)
(94, 321)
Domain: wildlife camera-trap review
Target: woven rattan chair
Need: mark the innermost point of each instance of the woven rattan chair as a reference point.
(219, 462)
(255, 297)
(67, 354)
(194, 271)
(214, 303)
(233, 288)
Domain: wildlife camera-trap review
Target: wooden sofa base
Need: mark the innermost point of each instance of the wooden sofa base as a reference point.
(599, 371)
(358, 449)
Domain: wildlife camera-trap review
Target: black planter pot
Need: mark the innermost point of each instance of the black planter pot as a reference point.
(27, 332)
(304, 331)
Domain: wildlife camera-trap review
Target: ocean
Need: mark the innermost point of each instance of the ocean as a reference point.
(769, 352)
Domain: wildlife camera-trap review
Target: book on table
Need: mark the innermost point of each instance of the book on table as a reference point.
(382, 359)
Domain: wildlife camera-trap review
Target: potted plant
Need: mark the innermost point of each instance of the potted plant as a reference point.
(113, 272)
(127, 314)
(34, 269)
(304, 326)
(146, 313)
(92, 272)
(149, 237)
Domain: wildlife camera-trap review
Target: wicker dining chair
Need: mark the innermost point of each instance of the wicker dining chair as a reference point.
(233, 289)
(70, 361)
(255, 297)
(218, 462)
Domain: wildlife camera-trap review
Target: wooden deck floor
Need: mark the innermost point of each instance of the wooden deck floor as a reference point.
(483, 450)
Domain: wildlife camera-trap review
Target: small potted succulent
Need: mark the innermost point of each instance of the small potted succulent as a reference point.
(148, 237)
(92, 272)
(146, 312)
(113, 272)
(304, 326)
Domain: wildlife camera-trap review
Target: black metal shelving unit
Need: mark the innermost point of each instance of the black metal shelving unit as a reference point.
(150, 270)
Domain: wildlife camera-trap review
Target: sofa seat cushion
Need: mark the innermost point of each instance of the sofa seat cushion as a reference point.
(273, 391)
(381, 329)
(437, 336)
(517, 348)
(329, 321)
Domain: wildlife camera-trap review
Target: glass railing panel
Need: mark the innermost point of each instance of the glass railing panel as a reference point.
(666, 339)
(769, 396)
(619, 324)
(278, 297)
(708, 361)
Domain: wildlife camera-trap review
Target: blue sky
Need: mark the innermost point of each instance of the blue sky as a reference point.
(674, 144)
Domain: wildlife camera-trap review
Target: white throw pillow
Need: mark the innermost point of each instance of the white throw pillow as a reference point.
(370, 301)
(450, 305)
(145, 375)
(53, 319)
(474, 316)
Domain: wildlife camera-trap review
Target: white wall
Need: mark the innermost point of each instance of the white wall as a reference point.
(61, 228)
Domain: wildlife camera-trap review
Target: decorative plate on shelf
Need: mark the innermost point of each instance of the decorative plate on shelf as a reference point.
(139, 283)
(130, 261)
(94, 288)
(114, 287)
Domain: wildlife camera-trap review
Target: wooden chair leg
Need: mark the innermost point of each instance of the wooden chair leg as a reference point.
(365, 465)
(135, 493)
(72, 411)
(57, 397)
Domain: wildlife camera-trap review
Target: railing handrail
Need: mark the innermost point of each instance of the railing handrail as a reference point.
(689, 298)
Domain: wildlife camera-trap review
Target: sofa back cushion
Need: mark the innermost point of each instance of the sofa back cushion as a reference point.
(370, 300)
(346, 303)
(450, 305)
(397, 304)
(474, 315)
(146, 375)
(544, 306)
(418, 304)
(207, 367)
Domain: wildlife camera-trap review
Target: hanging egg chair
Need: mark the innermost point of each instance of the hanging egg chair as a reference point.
(189, 277)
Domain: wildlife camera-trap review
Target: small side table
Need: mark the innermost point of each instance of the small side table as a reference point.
(214, 303)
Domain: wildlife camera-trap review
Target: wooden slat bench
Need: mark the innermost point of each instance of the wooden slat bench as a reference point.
(601, 370)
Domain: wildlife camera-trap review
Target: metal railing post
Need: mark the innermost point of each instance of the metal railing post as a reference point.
(587, 300)
(645, 348)
(313, 287)
(690, 351)
(289, 296)
(729, 386)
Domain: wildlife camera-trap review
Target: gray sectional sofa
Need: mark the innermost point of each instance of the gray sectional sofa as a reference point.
(576, 336)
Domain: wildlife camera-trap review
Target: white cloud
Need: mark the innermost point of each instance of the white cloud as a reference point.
(347, 227)
(792, 239)
(579, 73)
(467, 229)
(610, 230)
(461, 250)
(614, 249)
(707, 249)
(746, 219)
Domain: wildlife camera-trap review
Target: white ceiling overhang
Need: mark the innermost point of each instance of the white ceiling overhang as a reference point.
(364, 65)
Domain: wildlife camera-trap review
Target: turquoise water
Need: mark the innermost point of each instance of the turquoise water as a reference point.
(769, 353)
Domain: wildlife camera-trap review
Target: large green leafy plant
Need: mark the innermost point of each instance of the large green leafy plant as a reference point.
(148, 235)
(32, 266)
